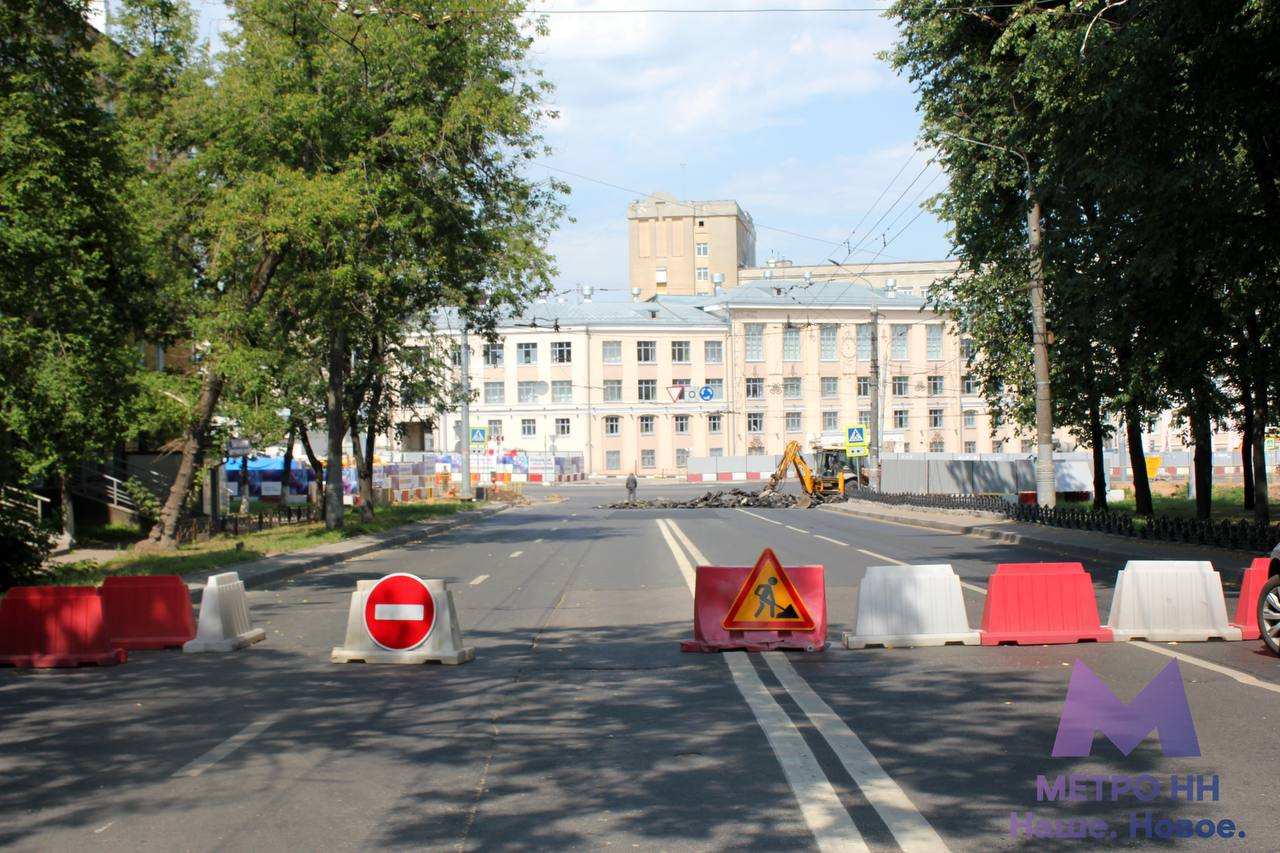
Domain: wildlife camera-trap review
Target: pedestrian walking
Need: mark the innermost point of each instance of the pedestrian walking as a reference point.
(631, 488)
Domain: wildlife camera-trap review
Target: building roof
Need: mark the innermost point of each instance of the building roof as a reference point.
(796, 292)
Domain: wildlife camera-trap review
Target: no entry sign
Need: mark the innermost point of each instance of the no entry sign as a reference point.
(399, 612)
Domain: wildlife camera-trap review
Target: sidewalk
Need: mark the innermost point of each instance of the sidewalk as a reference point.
(1077, 544)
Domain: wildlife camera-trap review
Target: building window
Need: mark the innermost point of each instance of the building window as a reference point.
(967, 350)
(647, 389)
(755, 388)
(702, 274)
(680, 352)
(753, 334)
(528, 427)
(755, 421)
(898, 341)
(970, 384)
(527, 392)
(561, 352)
(830, 421)
(683, 383)
(864, 386)
(713, 423)
(682, 457)
(866, 331)
(830, 386)
(611, 352)
(936, 447)
(493, 355)
(495, 392)
(935, 418)
(562, 426)
(864, 417)
(970, 418)
(682, 424)
(790, 344)
(646, 424)
(901, 386)
(793, 421)
(702, 250)
(561, 391)
(526, 353)
(455, 355)
(612, 460)
(717, 388)
(495, 430)
(971, 447)
(900, 419)
(660, 276)
(933, 342)
(612, 425)
(613, 390)
(935, 384)
(648, 458)
(713, 352)
(791, 387)
(827, 341)
(646, 352)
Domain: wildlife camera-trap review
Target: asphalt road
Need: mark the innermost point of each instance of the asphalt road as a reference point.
(581, 724)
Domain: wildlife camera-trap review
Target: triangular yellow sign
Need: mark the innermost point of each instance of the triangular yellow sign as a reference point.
(768, 601)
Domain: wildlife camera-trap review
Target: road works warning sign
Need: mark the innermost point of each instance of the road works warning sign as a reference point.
(768, 601)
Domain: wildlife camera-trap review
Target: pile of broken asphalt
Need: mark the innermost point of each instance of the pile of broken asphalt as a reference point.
(768, 498)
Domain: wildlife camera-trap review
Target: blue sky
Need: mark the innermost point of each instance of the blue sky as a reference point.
(791, 114)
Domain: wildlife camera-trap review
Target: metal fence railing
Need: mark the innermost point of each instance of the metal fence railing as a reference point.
(190, 529)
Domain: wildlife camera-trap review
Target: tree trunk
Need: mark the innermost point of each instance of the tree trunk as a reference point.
(1246, 441)
(1096, 439)
(334, 402)
(286, 476)
(375, 400)
(317, 468)
(1261, 415)
(364, 472)
(68, 511)
(1202, 461)
(164, 533)
(1137, 460)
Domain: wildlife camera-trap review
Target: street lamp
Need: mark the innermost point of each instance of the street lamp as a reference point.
(1046, 492)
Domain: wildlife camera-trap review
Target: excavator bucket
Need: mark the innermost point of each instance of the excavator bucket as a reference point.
(804, 501)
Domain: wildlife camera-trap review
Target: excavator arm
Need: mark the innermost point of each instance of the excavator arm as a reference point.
(792, 456)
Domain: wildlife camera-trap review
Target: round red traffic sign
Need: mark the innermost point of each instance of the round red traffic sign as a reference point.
(399, 612)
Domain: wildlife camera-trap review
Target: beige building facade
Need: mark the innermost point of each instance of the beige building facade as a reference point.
(685, 248)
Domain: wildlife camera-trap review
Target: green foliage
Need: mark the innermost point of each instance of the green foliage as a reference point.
(144, 499)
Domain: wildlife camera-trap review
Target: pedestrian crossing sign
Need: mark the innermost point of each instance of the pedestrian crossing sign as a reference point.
(479, 435)
(768, 601)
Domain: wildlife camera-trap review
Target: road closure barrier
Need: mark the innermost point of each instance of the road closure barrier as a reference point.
(55, 626)
(1170, 600)
(1247, 606)
(759, 608)
(910, 606)
(224, 624)
(1041, 603)
(147, 612)
(404, 619)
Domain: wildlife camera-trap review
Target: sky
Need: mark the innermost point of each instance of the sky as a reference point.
(791, 114)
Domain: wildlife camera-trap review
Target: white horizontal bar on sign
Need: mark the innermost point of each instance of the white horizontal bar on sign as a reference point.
(398, 612)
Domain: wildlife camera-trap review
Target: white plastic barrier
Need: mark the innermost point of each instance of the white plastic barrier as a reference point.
(443, 644)
(910, 606)
(224, 624)
(1169, 600)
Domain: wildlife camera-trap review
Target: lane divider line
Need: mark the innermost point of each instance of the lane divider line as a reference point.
(912, 831)
(515, 554)
(688, 544)
(682, 562)
(797, 529)
(832, 541)
(829, 821)
(761, 517)
(880, 557)
(1242, 677)
(479, 579)
(228, 746)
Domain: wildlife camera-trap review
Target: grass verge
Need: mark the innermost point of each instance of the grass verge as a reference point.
(1228, 503)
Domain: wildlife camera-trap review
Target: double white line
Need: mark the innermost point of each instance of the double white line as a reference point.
(820, 805)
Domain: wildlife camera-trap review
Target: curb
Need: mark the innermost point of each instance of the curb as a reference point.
(269, 570)
(990, 530)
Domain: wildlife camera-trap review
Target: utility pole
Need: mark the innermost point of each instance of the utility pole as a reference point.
(1046, 487)
(874, 454)
(465, 492)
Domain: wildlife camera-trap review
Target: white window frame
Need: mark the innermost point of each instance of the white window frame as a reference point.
(828, 342)
(611, 352)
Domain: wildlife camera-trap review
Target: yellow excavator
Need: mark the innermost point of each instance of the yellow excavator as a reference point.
(829, 480)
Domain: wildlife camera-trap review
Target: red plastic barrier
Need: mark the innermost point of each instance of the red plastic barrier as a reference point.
(1247, 607)
(1037, 603)
(715, 593)
(48, 626)
(148, 612)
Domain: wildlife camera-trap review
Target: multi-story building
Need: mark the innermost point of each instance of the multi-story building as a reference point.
(683, 248)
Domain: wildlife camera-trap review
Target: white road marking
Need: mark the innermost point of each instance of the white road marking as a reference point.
(797, 529)
(1242, 677)
(228, 746)
(820, 805)
(398, 612)
(515, 554)
(682, 562)
(479, 579)
(906, 823)
(881, 557)
(973, 586)
(693, 549)
(832, 541)
(536, 541)
(761, 517)
(104, 827)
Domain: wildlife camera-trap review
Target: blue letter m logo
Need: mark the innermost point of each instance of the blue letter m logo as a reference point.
(1091, 707)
